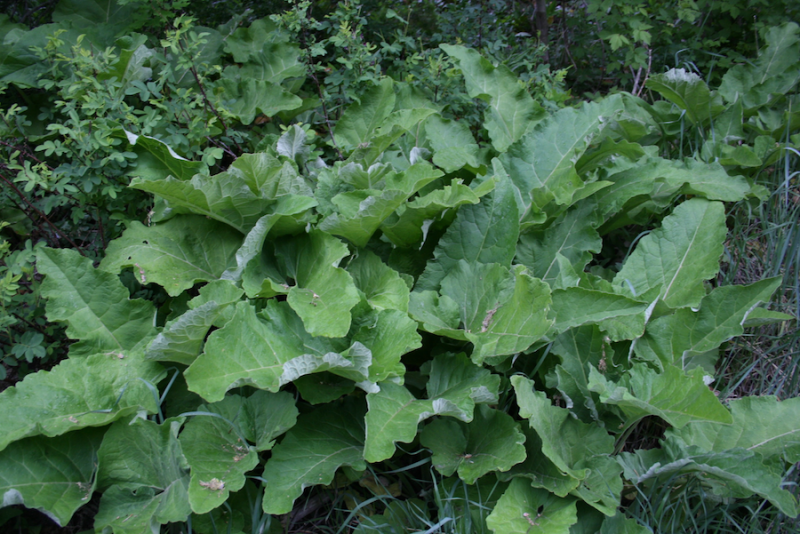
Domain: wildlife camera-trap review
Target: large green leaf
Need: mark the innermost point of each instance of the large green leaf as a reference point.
(246, 98)
(492, 441)
(501, 312)
(452, 143)
(323, 294)
(359, 213)
(579, 348)
(526, 510)
(511, 111)
(104, 18)
(482, 233)
(774, 73)
(217, 448)
(679, 337)
(144, 476)
(674, 396)
(245, 351)
(94, 304)
(689, 92)
(322, 441)
(362, 118)
(763, 425)
(409, 225)
(225, 197)
(182, 338)
(576, 306)
(381, 285)
(388, 334)
(393, 416)
(454, 387)
(672, 262)
(542, 163)
(176, 254)
(54, 476)
(155, 160)
(578, 450)
(735, 473)
(571, 235)
(77, 393)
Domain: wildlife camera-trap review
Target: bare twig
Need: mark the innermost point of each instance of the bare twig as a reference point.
(58, 233)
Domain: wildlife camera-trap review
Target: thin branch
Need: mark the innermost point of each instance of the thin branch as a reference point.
(57, 232)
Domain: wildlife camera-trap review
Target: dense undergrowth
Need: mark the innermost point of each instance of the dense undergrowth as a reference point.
(339, 272)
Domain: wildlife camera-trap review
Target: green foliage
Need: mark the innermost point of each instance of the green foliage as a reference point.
(338, 296)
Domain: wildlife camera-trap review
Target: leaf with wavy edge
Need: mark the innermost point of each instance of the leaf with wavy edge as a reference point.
(526, 510)
(55, 477)
(736, 472)
(77, 393)
(144, 476)
(381, 285)
(491, 442)
(486, 232)
(361, 119)
(175, 254)
(764, 425)
(455, 386)
(94, 304)
(672, 395)
(579, 450)
(322, 441)
(156, 160)
(216, 448)
(511, 111)
(676, 338)
(672, 262)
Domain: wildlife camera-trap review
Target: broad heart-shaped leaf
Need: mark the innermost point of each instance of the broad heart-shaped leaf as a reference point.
(362, 118)
(677, 338)
(773, 74)
(388, 335)
(511, 111)
(359, 213)
(108, 18)
(542, 163)
(408, 226)
(145, 476)
(245, 351)
(491, 442)
(247, 97)
(182, 338)
(501, 312)
(216, 449)
(322, 441)
(579, 348)
(486, 232)
(578, 450)
(393, 416)
(93, 303)
(576, 306)
(175, 254)
(454, 387)
(763, 425)
(526, 510)
(55, 477)
(732, 473)
(77, 393)
(270, 62)
(323, 294)
(672, 262)
(452, 143)
(689, 92)
(381, 285)
(538, 470)
(659, 180)
(573, 235)
(155, 160)
(676, 397)
(225, 197)
(269, 176)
